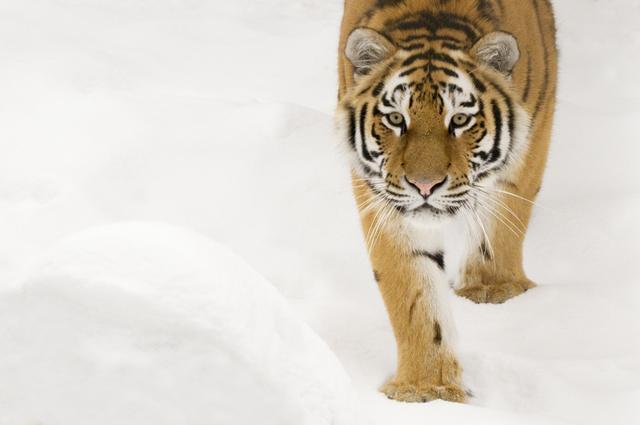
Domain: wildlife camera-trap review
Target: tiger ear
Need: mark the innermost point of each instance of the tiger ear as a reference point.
(499, 50)
(366, 48)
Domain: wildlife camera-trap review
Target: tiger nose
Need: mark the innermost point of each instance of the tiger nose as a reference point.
(424, 186)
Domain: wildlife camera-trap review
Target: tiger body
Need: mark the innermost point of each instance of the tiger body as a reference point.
(447, 109)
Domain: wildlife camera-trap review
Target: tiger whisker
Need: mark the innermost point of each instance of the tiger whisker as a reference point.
(516, 196)
(501, 204)
(378, 220)
(471, 227)
(383, 223)
(486, 237)
(517, 232)
(489, 202)
(376, 203)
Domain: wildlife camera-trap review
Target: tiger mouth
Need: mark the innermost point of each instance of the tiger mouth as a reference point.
(408, 205)
(426, 207)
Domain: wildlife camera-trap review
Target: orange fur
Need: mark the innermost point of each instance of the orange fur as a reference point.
(427, 366)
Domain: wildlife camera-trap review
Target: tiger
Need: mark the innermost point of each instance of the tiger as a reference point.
(445, 110)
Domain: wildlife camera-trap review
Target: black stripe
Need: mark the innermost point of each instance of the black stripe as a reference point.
(437, 334)
(459, 23)
(479, 85)
(436, 257)
(479, 139)
(497, 116)
(510, 117)
(457, 195)
(455, 186)
(392, 184)
(352, 128)
(426, 37)
(378, 89)
(371, 173)
(482, 176)
(410, 71)
(481, 110)
(447, 71)
(434, 22)
(430, 55)
(399, 195)
(454, 88)
(410, 47)
(399, 87)
(482, 155)
(375, 135)
(440, 100)
(363, 118)
(527, 87)
(471, 103)
(451, 46)
(430, 69)
(509, 103)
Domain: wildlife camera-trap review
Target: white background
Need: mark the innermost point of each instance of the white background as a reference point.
(217, 116)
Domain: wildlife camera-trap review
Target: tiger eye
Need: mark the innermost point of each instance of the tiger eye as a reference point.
(459, 120)
(396, 119)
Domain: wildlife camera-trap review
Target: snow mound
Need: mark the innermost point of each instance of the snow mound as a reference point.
(146, 323)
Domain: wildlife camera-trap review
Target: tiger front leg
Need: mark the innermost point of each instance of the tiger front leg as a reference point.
(494, 271)
(414, 289)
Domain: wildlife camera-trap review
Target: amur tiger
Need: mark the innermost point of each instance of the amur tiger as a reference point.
(446, 108)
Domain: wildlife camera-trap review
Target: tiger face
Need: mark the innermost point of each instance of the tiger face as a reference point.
(430, 128)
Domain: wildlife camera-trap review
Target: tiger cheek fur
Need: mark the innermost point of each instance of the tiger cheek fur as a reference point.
(447, 108)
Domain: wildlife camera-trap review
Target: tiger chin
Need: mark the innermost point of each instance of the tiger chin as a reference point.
(445, 109)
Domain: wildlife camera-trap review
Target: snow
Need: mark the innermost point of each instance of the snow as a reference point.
(217, 117)
(142, 323)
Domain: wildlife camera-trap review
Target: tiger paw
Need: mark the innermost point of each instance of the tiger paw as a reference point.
(423, 392)
(496, 293)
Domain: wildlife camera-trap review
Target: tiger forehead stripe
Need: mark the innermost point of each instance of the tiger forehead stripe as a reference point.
(430, 55)
(448, 42)
(430, 68)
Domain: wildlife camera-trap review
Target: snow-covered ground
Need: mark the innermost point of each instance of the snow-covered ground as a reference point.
(149, 324)
(216, 116)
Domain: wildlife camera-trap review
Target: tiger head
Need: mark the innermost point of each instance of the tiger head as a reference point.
(431, 123)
